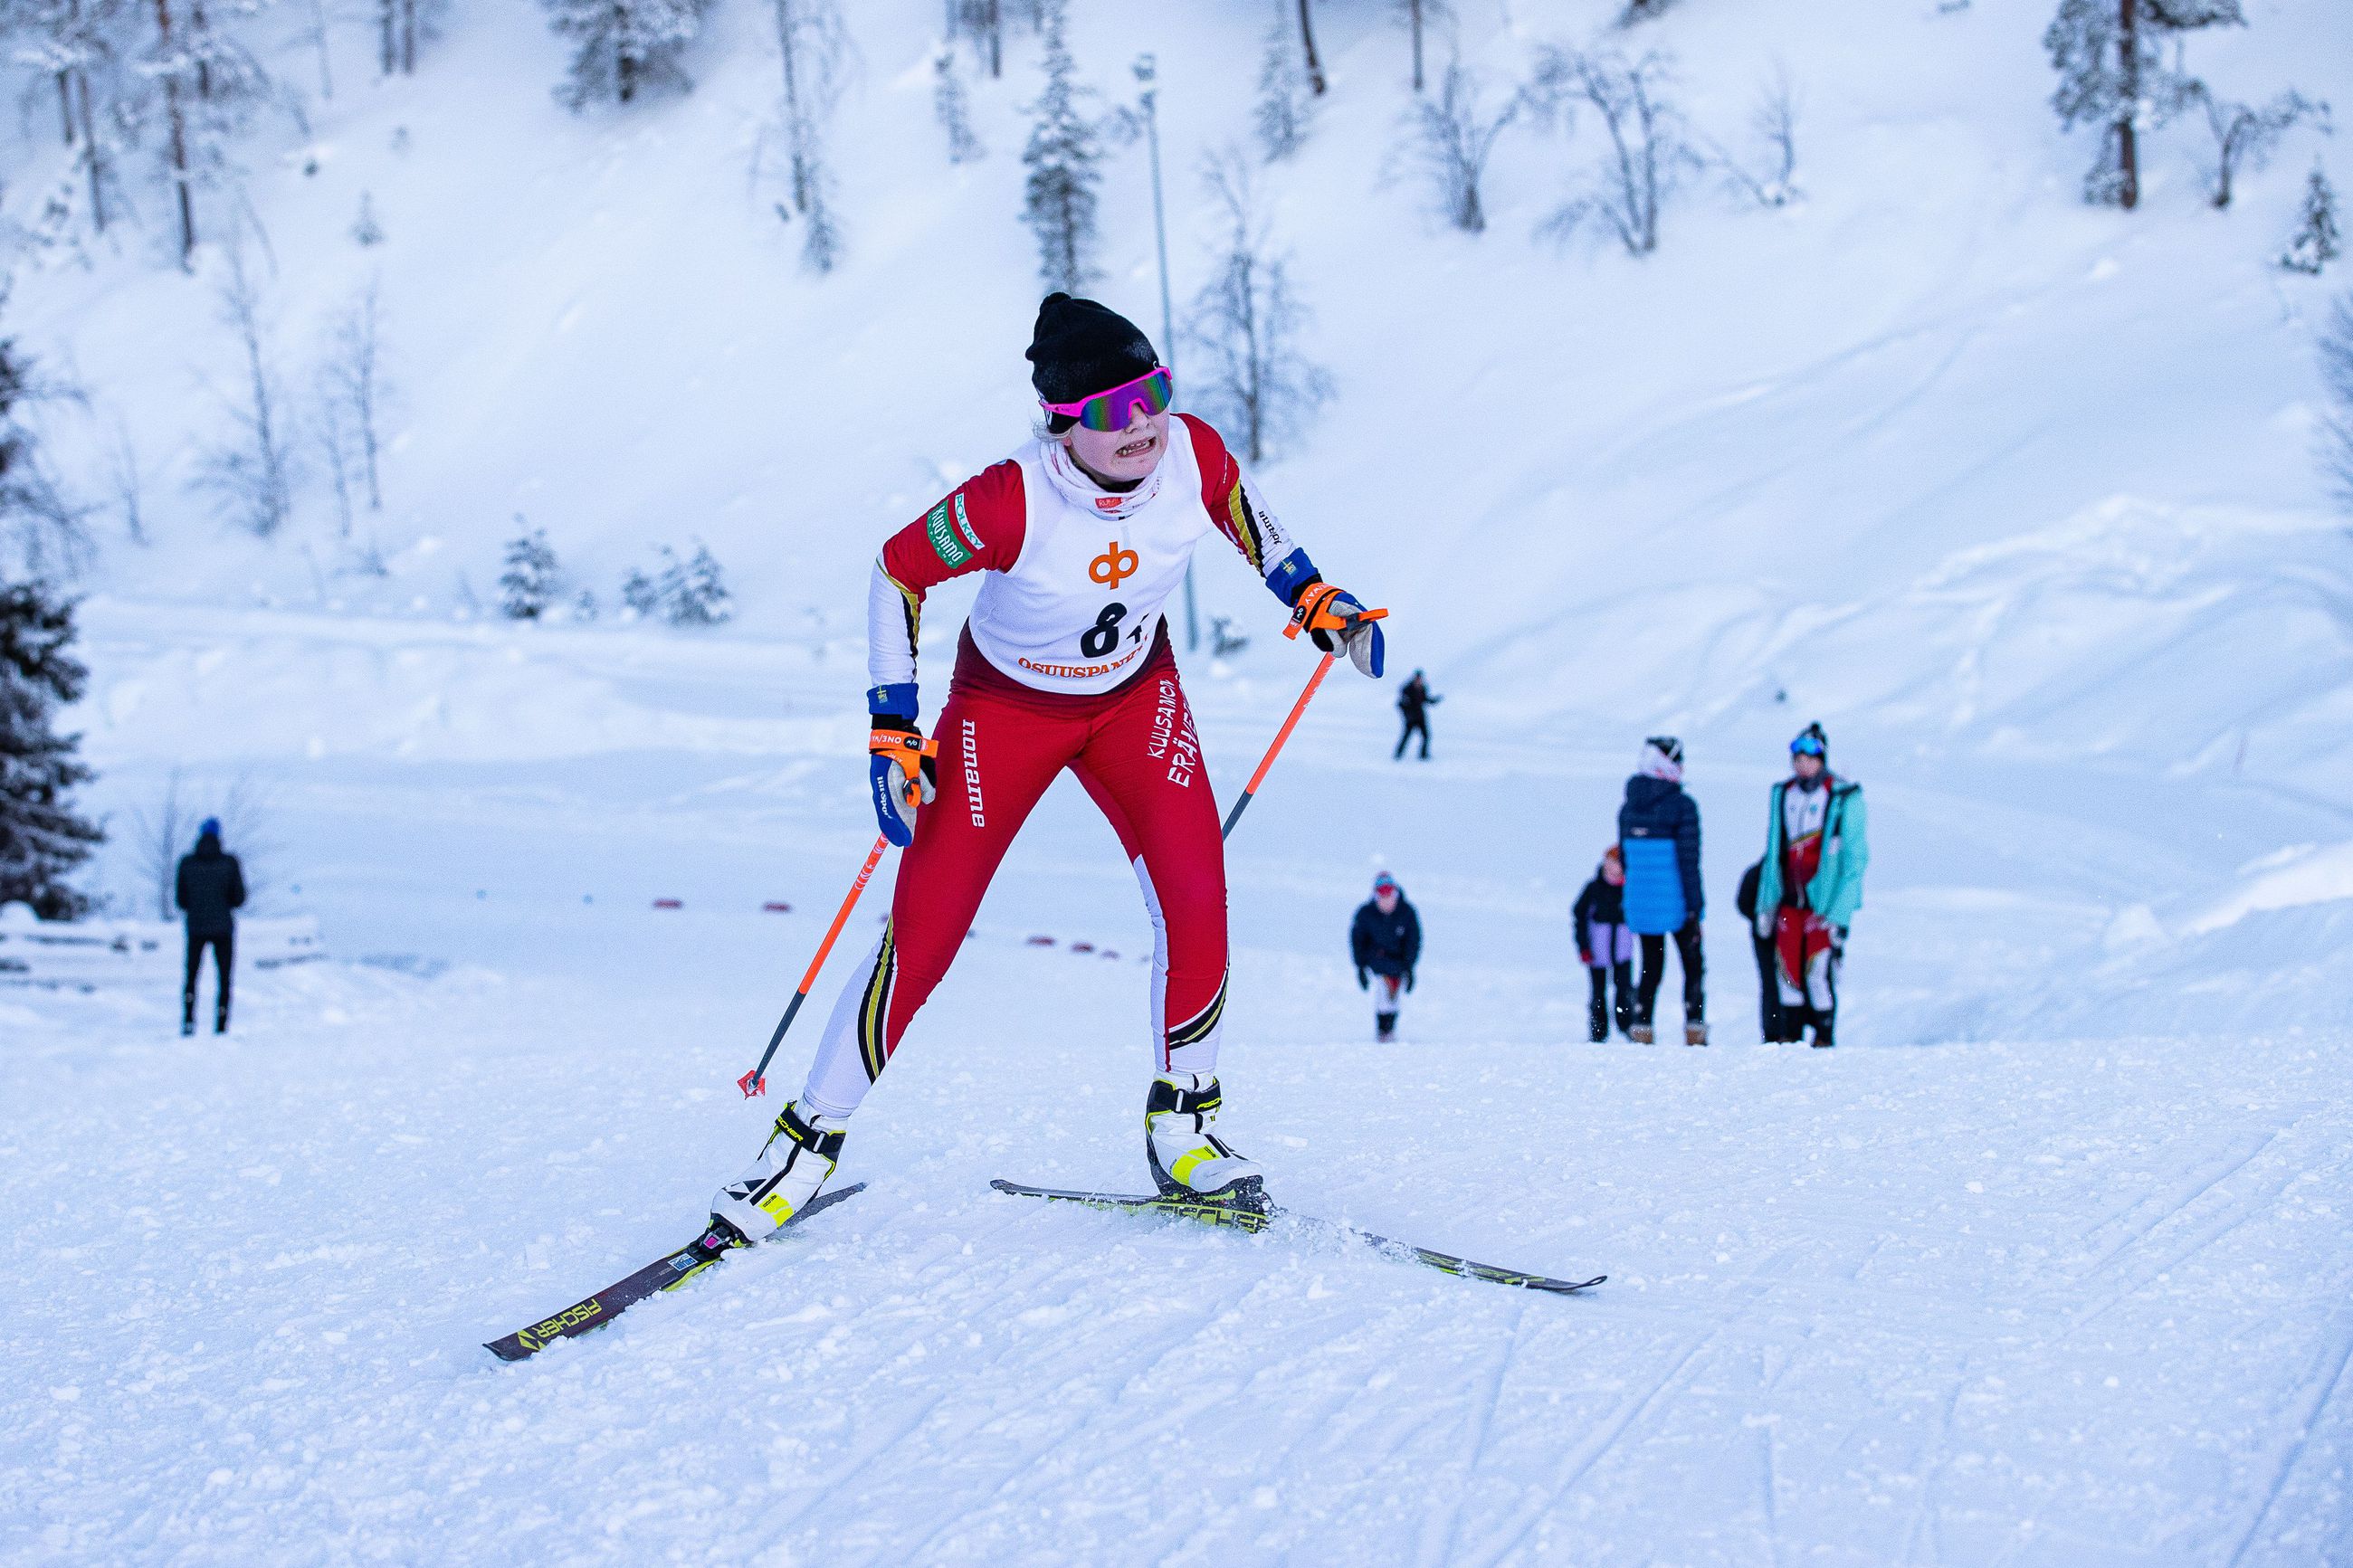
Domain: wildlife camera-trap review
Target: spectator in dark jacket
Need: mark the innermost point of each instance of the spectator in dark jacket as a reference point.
(1771, 1019)
(1386, 942)
(1415, 702)
(211, 890)
(1658, 832)
(1606, 943)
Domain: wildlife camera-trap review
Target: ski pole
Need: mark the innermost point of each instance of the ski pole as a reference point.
(1323, 669)
(756, 1081)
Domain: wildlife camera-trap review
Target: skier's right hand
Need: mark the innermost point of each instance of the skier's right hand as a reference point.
(1363, 981)
(902, 769)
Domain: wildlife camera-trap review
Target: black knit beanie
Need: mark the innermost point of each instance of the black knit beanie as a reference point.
(1080, 348)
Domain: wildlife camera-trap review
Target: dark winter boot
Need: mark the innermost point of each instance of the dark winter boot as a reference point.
(1385, 1026)
(1822, 1031)
(1598, 1022)
(1642, 1033)
(187, 1025)
(1695, 1033)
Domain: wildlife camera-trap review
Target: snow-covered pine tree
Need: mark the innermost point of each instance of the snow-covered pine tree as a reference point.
(532, 578)
(1284, 103)
(2115, 72)
(953, 109)
(623, 48)
(209, 85)
(2317, 241)
(74, 43)
(984, 22)
(40, 531)
(1064, 159)
(811, 39)
(1252, 382)
(698, 594)
(640, 594)
(42, 839)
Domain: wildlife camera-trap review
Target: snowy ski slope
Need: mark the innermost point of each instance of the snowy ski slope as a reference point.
(2044, 1265)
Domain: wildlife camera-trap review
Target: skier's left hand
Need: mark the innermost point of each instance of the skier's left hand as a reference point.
(1363, 981)
(1336, 621)
(1409, 979)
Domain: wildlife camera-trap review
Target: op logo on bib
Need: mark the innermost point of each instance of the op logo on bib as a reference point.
(1113, 566)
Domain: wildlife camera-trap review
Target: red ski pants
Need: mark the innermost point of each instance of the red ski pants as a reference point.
(1000, 745)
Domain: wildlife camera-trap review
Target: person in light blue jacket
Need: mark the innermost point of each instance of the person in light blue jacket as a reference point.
(1810, 886)
(1658, 836)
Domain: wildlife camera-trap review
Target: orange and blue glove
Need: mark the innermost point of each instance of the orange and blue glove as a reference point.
(902, 767)
(1339, 624)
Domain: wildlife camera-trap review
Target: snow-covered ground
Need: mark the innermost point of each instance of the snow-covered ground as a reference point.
(2045, 1264)
(1978, 1288)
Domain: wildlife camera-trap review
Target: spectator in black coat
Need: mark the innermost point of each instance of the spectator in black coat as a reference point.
(1385, 940)
(211, 890)
(1415, 702)
(1605, 943)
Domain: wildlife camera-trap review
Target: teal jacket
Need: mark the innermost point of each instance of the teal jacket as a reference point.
(1836, 891)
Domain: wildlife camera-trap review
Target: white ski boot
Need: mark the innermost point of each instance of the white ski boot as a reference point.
(793, 1165)
(1185, 1156)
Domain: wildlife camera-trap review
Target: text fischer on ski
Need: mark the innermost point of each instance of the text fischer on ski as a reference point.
(1064, 662)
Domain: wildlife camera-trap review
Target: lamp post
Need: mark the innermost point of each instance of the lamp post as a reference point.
(1147, 77)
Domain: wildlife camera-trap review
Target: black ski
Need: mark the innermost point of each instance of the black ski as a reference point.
(663, 1274)
(1241, 1217)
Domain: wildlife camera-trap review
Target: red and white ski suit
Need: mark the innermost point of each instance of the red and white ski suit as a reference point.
(1064, 663)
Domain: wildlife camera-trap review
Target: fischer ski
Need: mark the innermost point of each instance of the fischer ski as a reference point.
(1253, 1219)
(666, 1273)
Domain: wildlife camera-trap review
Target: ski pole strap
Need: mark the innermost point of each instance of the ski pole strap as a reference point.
(910, 751)
(1313, 613)
(1323, 669)
(756, 1080)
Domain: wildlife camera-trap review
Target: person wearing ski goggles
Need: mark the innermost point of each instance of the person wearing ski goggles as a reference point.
(1145, 396)
(1809, 884)
(1064, 663)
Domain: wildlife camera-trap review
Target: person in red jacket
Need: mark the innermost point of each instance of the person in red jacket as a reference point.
(1064, 662)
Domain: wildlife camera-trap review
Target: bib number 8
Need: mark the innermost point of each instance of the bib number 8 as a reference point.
(1105, 635)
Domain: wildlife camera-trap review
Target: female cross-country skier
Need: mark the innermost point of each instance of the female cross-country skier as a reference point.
(1064, 663)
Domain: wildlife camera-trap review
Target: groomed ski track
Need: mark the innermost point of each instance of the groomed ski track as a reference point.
(1929, 1298)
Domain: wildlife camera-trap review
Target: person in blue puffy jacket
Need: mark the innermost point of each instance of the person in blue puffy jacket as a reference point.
(1658, 836)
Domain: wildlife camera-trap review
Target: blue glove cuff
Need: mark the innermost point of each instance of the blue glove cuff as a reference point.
(1291, 574)
(897, 699)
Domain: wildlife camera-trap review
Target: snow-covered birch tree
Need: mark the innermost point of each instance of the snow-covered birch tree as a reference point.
(1252, 379)
(1451, 135)
(1647, 156)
